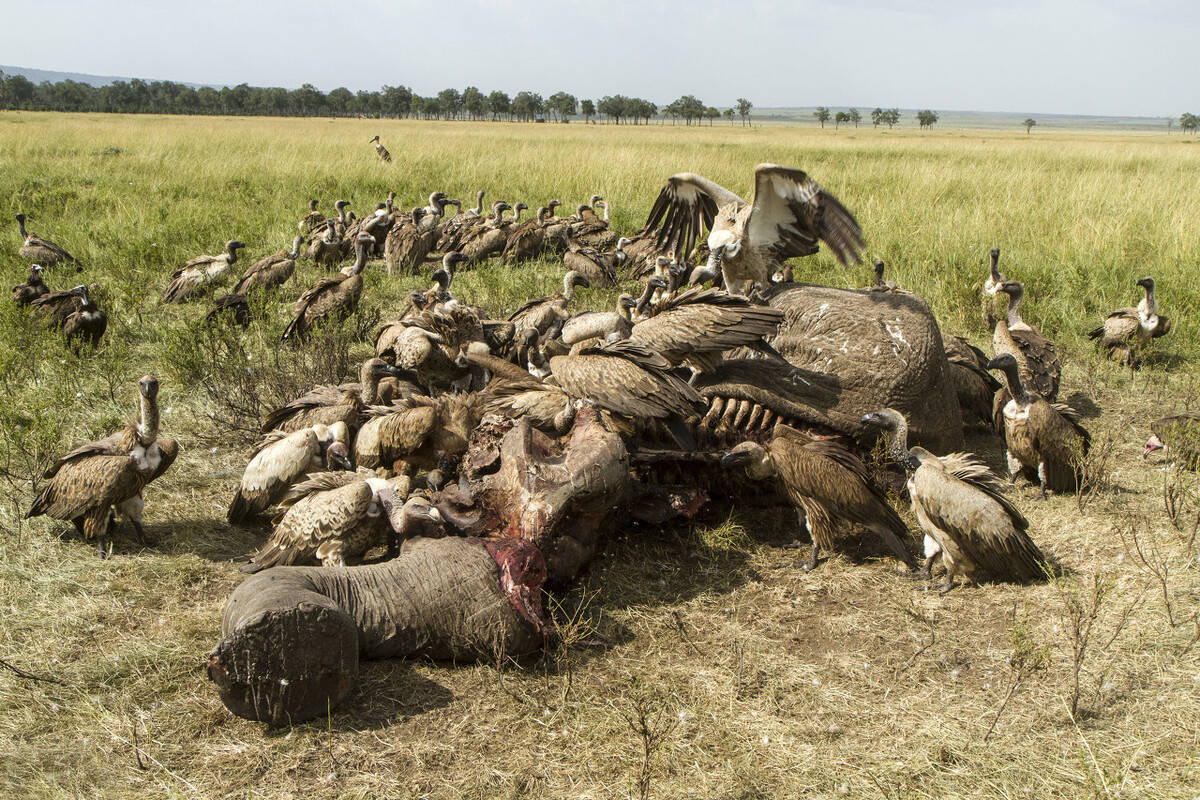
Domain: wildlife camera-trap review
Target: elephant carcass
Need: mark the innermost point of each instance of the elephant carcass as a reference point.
(885, 350)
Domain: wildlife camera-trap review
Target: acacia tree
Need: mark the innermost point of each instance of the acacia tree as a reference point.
(877, 116)
(449, 102)
(499, 104)
(562, 104)
(822, 115)
(1029, 123)
(927, 118)
(839, 118)
(1188, 121)
(743, 109)
(614, 107)
(729, 114)
(854, 116)
(891, 117)
(473, 102)
(588, 109)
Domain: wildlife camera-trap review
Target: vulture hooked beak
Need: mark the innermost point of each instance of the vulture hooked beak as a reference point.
(736, 458)
(148, 386)
(337, 456)
(1152, 444)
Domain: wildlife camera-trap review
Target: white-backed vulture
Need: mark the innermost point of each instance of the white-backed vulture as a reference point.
(33, 288)
(596, 232)
(489, 239)
(94, 481)
(589, 262)
(327, 404)
(1044, 440)
(787, 217)
(539, 314)
(1037, 357)
(311, 220)
(528, 239)
(1127, 331)
(53, 308)
(407, 245)
(1178, 435)
(993, 303)
(333, 297)
(965, 516)
(417, 432)
(451, 230)
(281, 460)
(334, 518)
(974, 386)
(42, 251)
(382, 151)
(269, 271)
(326, 247)
(200, 274)
(827, 483)
(603, 324)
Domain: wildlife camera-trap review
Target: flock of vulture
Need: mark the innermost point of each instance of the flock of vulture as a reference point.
(347, 468)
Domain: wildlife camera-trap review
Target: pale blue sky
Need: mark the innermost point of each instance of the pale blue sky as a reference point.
(1067, 56)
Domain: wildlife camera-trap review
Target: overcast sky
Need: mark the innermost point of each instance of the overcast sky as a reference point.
(1118, 57)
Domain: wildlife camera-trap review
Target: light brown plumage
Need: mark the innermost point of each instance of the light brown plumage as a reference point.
(417, 432)
(42, 251)
(1127, 331)
(269, 271)
(993, 303)
(281, 460)
(201, 274)
(329, 403)
(1036, 356)
(331, 298)
(589, 262)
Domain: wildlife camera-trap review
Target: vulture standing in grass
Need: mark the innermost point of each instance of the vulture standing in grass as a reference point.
(53, 308)
(312, 220)
(1036, 356)
(94, 481)
(270, 271)
(452, 229)
(329, 404)
(787, 217)
(993, 303)
(234, 307)
(407, 245)
(326, 248)
(827, 483)
(87, 322)
(384, 155)
(281, 460)
(967, 520)
(33, 288)
(200, 274)
(1178, 435)
(332, 519)
(1127, 331)
(333, 297)
(1044, 440)
(42, 251)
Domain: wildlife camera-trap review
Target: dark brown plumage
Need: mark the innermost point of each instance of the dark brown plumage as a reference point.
(1127, 331)
(974, 386)
(589, 262)
(417, 432)
(542, 312)
(333, 297)
(311, 220)
(33, 288)
(198, 276)
(269, 271)
(827, 482)
(42, 251)
(86, 323)
(327, 404)
(1036, 356)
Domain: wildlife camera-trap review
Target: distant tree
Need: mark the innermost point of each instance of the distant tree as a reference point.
(449, 102)
(854, 116)
(877, 116)
(397, 100)
(927, 118)
(561, 104)
(1188, 121)
(711, 114)
(743, 109)
(528, 106)
(588, 109)
(839, 118)
(639, 108)
(473, 102)
(729, 114)
(822, 115)
(1170, 124)
(498, 104)
(891, 117)
(615, 107)
(1029, 123)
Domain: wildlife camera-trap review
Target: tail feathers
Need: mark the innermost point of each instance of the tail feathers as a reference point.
(1096, 333)
(271, 555)
(239, 509)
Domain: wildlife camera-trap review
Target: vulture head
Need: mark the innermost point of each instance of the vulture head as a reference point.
(20, 218)
(35, 273)
(337, 457)
(892, 423)
(419, 517)
(753, 456)
(148, 387)
(1152, 444)
(375, 138)
(623, 242)
(596, 199)
(340, 204)
(573, 278)
(233, 244)
(418, 299)
(1146, 283)
(1014, 289)
(452, 260)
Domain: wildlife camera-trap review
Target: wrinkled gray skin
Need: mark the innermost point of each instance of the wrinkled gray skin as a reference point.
(292, 636)
(878, 350)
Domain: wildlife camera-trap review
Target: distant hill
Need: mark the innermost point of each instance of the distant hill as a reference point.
(977, 119)
(41, 75)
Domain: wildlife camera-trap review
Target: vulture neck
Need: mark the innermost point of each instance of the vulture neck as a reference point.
(1012, 377)
(644, 300)
(295, 253)
(996, 278)
(231, 252)
(341, 212)
(879, 275)
(21, 225)
(1148, 308)
(569, 286)
(148, 424)
(1013, 315)
(898, 440)
(516, 214)
(605, 217)
(478, 204)
(436, 206)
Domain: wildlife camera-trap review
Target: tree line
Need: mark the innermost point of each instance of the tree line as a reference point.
(166, 97)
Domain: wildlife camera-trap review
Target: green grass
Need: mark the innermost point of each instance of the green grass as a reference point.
(845, 682)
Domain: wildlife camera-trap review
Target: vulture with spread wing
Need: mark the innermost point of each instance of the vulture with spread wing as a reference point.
(787, 217)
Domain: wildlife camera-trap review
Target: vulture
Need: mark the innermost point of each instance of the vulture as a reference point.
(329, 404)
(787, 217)
(33, 288)
(418, 432)
(1177, 433)
(528, 240)
(384, 155)
(966, 519)
(1036, 356)
(1044, 440)
(993, 304)
(827, 483)
(326, 248)
(86, 322)
(452, 229)
(880, 285)
(589, 262)
(338, 223)
(699, 325)
(407, 245)
(1128, 330)
(53, 308)
(200, 274)
(281, 460)
(595, 232)
(312, 220)
(490, 239)
(334, 518)
(974, 386)
(42, 251)
(235, 307)
(94, 481)
(626, 379)
(270, 271)
(539, 314)
(602, 324)
(331, 297)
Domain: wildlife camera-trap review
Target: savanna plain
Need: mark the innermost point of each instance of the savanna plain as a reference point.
(696, 660)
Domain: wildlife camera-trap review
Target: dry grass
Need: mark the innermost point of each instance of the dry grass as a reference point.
(749, 677)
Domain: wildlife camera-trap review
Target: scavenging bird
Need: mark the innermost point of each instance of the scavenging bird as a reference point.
(1128, 330)
(200, 274)
(384, 155)
(94, 481)
(33, 288)
(967, 520)
(43, 251)
(283, 459)
(787, 216)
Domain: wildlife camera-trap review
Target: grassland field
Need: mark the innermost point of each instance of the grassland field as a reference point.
(753, 679)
